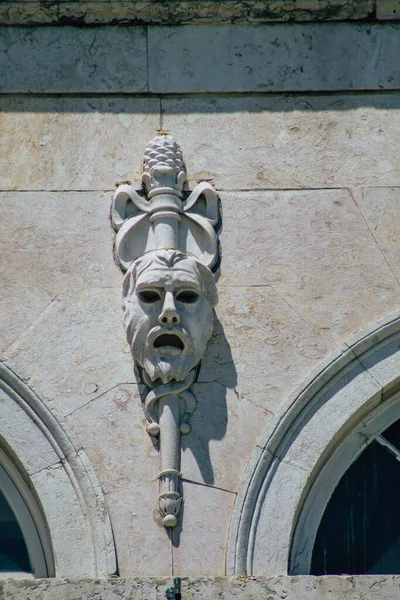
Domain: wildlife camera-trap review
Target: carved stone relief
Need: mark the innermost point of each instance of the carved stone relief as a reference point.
(167, 243)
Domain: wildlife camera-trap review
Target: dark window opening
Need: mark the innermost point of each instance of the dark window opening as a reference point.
(13, 552)
(360, 529)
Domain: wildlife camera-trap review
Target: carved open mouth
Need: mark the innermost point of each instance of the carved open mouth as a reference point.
(169, 344)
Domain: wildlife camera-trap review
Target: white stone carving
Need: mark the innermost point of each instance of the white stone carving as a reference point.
(167, 243)
(168, 299)
(164, 214)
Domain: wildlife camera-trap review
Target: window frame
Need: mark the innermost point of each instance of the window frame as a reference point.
(328, 478)
(29, 516)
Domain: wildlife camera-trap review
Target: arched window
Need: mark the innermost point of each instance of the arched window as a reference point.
(324, 478)
(13, 553)
(360, 529)
(49, 493)
(24, 541)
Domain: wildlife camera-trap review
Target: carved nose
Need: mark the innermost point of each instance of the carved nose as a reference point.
(169, 315)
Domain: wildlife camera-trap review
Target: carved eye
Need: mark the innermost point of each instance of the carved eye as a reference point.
(187, 296)
(149, 296)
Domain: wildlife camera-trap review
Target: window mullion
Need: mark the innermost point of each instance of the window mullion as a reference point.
(392, 449)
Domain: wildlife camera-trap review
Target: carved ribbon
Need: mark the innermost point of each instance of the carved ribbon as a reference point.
(165, 221)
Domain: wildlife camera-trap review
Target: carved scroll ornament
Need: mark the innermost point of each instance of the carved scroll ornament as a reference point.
(167, 243)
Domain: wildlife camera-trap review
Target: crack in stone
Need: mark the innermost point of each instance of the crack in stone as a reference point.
(215, 487)
(100, 395)
(31, 324)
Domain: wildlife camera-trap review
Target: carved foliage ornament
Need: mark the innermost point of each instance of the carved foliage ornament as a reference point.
(167, 243)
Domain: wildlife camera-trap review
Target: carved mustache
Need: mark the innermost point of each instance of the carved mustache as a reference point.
(165, 336)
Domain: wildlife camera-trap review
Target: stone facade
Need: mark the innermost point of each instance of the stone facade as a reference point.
(291, 111)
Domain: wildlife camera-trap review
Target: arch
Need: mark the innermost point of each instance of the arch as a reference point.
(307, 448)
(57, 485)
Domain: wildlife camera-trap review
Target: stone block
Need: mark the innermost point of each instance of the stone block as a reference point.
(294, 141)
(282, 58)
(383, 364)
(258, 332)
(336, 410)
(75, 351)
(112, 429)
(381, 209)
(21, 434)
(346, 587)
(88, 12)
(11, 295)
(73, 59)
(316, 252)
(56, 241)
(42, 255)
(387, 10)
(70, 143)
(199, 546)
(69, 528)
(225, 428)
(143, 547)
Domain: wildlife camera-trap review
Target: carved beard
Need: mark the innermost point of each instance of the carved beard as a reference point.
(167, 368)
(155, 362)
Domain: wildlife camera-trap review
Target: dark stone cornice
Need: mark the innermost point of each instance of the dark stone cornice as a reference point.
(176, 12)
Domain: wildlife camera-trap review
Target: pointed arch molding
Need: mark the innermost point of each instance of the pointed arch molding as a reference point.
(67, 504)
(317, 434)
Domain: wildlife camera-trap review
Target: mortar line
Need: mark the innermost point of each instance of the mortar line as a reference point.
(204, 93)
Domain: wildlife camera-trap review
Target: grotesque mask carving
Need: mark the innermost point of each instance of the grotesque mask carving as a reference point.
(168, 299)
(167, 243)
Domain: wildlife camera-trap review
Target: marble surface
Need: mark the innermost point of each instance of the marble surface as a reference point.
(296, 141)
(380, 209)
(292, 141)
(315, 249)
(256, 58)
(142, 544)
(200, 546)
(169, 12)
(68, 59)
(43, 256)
(300, 57)
(72, 143)
(388, 9)
(347, 587)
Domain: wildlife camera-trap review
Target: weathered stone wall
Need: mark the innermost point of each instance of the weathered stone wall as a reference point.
(274, 588)
(297, 126)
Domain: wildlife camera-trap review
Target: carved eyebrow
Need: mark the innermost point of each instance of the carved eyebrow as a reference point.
(149, 284)
(186, 285)
(177, 285)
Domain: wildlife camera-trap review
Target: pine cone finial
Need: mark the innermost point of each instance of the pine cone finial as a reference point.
(163, 166)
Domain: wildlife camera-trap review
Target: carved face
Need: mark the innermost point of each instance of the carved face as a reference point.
(168, 301)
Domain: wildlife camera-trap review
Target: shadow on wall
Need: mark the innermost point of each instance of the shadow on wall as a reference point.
(210, 420)
(200, 103)
(116, 66)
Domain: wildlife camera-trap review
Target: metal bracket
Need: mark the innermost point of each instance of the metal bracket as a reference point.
(174, 593)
